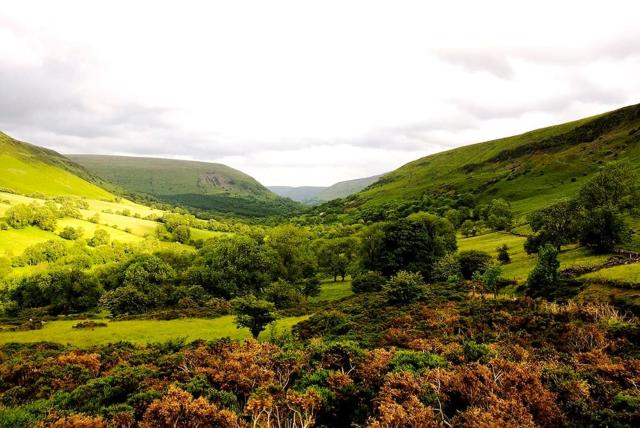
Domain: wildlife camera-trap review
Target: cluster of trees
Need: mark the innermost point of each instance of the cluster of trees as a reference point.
(43, 216)
(595, 218)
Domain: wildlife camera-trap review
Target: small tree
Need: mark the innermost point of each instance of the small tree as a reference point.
(253, 313)
(71, 233)
(447, 269)
(499, 215)
(473, 261)
(469, 228)
(100, 237)
(602, 228)
(545, 273)
(503, 254)
(491, 279)
(404, 287)
(182, 234)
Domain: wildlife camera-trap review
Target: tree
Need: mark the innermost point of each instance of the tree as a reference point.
(414, 243)
(615, 185)
(367, 282)
(311, 286)
(335, 256)
(499, 215)
(100, 237)
(404, 287)
(71, 233)
(491, 279)
(124, 300)
(503, 254)
(253, 313)
(545, 273)
(473, 261)
(283, 295)
(233, 266)
(293, 250)
(447, 269)
(602, 228)
(556, 225)
(182, 234)
(469, 228)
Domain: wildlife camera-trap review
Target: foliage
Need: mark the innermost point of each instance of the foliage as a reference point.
(498, 215)
(253, 313)
(545, 273)
(414, 243)
(473, 261)
(71, 233)
(404, 287)
(603, 228)
(503, 254)
(367, 282)
(100, 237)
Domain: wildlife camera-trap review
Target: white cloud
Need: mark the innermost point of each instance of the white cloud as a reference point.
(307, 93)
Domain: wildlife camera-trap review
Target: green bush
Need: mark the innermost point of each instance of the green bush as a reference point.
(405, 287)
(367, 282)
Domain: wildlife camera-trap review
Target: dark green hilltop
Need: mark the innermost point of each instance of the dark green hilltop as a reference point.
(201, 185)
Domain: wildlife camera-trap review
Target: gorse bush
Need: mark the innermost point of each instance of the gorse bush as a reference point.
(404, 287)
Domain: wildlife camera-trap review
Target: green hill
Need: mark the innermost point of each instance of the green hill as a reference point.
(201, 185)
(343, 189)
(531, 170)
(26, 169)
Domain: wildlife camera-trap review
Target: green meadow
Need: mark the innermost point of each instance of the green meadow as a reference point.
(141, 331)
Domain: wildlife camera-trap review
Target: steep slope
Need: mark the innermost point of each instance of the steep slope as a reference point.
(531, 170)
(25, 168)
(201, 185)
(304, 194)
(343, 189)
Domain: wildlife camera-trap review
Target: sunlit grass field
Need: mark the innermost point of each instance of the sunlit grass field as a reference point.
(522, 263)
(142, 331)
(624, 273)
(330, 291)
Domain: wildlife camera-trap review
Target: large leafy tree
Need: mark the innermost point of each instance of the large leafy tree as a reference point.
(414, 244)
(557, 225)
(233, 266)
(292, 246)
(335, 256)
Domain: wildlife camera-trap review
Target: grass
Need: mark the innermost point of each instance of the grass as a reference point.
(330, 291)
(199, 185)
(624, 273)
(14, 242)
(141, 331)
(28, 169)
(522, 263)
(530, 170)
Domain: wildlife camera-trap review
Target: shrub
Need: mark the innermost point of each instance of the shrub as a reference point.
(473, 261)
(503, 254)
(416, 361)
(100, 237)
(71, 233)
(476, 352)
(404, 287)
(367, 282)
(545, 273)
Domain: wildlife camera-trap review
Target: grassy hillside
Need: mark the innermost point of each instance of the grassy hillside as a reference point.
(25, 169)
(531, 170)
(343, 189)
(200, 185)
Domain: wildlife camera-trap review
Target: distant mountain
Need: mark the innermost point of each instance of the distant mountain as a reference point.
(531, 170)
(26, 169)
(304, 194)
(343, 189)
(317, 194)
(201, 185)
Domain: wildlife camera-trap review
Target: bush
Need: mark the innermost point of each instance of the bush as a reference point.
(447, 269)
(124, 300)
(416, 361)
(473, 261)
(71, 234)
(100, 237)
(603, 228)
(476, 352)
(405, 287)
(311, 286)
(503, 254)
(367, 282)
(545, 273)
(283, 295)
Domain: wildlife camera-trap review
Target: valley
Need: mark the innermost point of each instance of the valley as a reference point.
(496, 283)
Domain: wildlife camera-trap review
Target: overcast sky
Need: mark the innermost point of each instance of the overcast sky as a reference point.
(307, 92)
